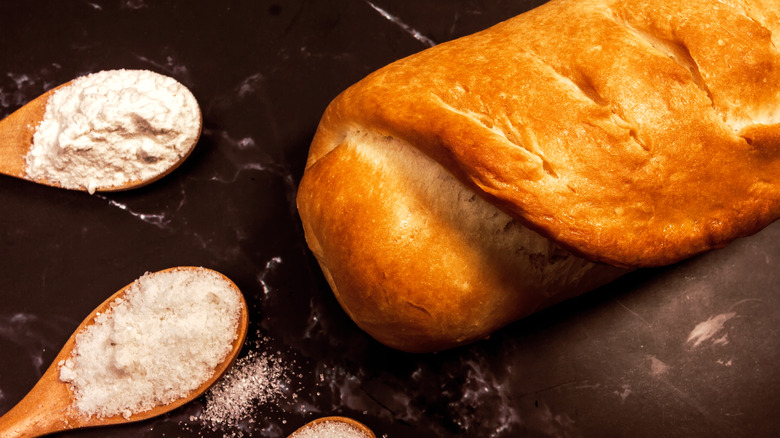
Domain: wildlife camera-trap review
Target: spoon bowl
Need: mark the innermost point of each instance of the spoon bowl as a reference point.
(16, 140)
(321, 426)
(49, 406)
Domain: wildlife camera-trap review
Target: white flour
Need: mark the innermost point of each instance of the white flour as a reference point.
(113, 127)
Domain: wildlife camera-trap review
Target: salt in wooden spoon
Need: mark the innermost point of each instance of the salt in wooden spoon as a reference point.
(16, 137)
(48, 407)
(331, 426)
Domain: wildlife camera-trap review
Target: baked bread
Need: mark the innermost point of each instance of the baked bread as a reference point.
(459, 189)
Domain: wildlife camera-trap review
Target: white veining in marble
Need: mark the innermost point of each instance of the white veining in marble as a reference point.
(24, 87)
(32, 333)
(484, 403)
(134, 4)
(346, 385)
(624, 392)
(635, 314)
(408, 29)
(706, 330)
(244, 155)
(482, 387)
(159, 220)
(556, 425)
(714, 329)
(657, 367)
(249, 85)
(171, 67)
(313, 321)
(270, 265)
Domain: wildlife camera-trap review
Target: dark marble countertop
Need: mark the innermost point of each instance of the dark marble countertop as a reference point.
(689, 350)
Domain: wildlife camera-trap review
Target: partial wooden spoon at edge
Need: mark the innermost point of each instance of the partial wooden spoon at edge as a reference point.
(48, 407)
(362, 428)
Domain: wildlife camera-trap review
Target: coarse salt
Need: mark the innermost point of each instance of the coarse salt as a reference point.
(330, 429)
(257, 378)
(156, 344)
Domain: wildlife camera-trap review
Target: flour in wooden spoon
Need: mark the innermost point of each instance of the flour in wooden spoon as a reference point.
(112, 128)
(159, 342)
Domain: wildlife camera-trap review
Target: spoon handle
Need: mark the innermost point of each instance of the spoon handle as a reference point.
(42, 411)
(16, 133)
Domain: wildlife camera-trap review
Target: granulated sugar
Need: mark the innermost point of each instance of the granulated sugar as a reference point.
(111, 128)
(156, 344)
(330, 429)
(255, 379)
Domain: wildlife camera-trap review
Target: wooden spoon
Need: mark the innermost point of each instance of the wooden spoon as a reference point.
(49, 408)
(16, 137)
(308, 429)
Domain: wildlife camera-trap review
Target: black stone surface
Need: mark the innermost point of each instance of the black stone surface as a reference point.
(689, 350)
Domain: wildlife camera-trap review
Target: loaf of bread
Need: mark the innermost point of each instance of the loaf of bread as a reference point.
(469, 185)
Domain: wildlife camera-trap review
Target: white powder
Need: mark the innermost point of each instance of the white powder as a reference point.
(155, 345)
(111, 128)
(329, 429)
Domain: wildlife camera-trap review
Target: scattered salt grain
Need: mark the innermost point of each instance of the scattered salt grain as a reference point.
(255, 379)
(156, 344)
(330, 429)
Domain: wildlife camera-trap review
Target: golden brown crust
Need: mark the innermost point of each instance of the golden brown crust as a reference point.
(474, 183)
(633, 133)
